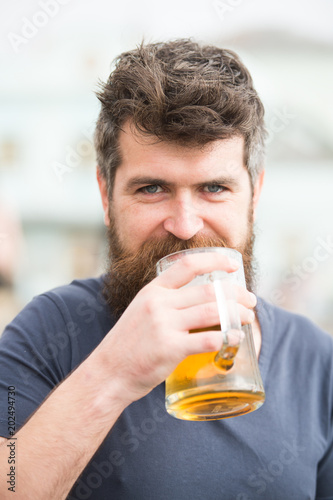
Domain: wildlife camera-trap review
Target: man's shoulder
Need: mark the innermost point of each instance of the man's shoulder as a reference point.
(81, 301)
(76, 291)
(73, 311)
(82, 298)
(292, 326)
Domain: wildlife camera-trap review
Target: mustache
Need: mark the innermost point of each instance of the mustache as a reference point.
(130, 271)
(152, 251)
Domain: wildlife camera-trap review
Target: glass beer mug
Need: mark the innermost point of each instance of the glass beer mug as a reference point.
(222, 384)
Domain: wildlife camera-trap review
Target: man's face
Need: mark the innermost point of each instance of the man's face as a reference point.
(167, 193)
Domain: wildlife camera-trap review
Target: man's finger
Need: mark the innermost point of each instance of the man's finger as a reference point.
(196, 343)
(193, 296)
(244, 297)
(200, 316)
(189, 266)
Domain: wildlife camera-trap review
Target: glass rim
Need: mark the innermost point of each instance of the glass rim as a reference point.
(198, 250)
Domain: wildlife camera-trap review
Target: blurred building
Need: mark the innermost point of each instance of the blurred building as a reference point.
(48, 111)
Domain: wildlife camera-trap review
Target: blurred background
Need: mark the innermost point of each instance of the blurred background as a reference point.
(53, 52)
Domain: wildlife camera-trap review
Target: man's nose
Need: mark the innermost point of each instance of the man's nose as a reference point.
(183, 221)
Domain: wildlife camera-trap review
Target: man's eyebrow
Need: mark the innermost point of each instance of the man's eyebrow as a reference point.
(146, 181)
(149, 181)
(223, 181)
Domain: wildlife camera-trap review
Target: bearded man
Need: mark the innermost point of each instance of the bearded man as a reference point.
(180, 149)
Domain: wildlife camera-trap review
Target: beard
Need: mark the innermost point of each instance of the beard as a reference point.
(130, 271)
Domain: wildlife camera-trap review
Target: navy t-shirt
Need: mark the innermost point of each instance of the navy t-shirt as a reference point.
(282, 451)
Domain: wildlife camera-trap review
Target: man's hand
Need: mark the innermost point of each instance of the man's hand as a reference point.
(140, 351)
(152, 336)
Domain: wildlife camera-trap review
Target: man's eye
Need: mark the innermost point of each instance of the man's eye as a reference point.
(154, 188)
(214, 188)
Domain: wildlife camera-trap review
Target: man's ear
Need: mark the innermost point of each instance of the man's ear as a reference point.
(104, 196)
(257, 191)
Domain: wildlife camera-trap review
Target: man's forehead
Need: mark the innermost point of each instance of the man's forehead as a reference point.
(130, 138)
(130, 133)
(148, 157)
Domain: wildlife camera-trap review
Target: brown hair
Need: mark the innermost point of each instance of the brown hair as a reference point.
(182, 92)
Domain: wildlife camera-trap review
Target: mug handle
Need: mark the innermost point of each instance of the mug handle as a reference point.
(229, 320)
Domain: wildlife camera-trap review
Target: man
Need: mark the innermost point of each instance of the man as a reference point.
(179, 144)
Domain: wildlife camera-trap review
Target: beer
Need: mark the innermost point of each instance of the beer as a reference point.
(214, 385)
(224, 359)
(195, 390)
(215, 405)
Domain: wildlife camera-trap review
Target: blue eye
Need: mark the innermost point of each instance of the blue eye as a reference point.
(150, 189)
(214, 188)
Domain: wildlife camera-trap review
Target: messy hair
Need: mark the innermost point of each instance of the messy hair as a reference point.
(181, 92)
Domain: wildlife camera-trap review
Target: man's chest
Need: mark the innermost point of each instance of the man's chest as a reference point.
(150, 455)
